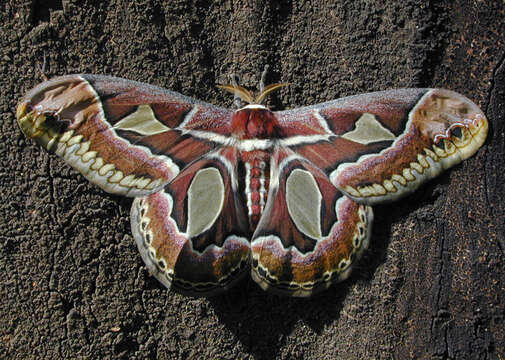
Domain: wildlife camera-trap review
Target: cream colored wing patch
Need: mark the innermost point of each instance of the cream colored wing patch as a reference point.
(142, 121)
(205, 200)
(369, 130)
(304, 202)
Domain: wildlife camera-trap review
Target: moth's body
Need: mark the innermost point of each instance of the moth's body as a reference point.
(254, 122)
(256, 180)
(284, 195)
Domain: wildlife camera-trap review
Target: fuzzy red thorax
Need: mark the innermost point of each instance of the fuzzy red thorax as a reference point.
(254, 123)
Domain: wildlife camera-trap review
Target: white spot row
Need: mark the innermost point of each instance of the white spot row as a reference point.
(76, 152)
(426, 167)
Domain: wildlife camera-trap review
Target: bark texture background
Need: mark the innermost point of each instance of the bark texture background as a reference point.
(432, 285)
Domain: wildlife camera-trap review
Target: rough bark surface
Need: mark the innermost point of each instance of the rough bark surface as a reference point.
(432, 285)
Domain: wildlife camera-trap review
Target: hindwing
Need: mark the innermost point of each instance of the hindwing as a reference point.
(193, 234)
(310, 234)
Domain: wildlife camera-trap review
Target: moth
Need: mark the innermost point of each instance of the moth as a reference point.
(283, 195)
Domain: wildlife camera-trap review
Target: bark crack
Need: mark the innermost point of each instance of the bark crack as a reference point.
(441, 315)
(487, 185)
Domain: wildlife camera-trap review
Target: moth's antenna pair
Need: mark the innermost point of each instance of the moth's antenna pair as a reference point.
(242, 94)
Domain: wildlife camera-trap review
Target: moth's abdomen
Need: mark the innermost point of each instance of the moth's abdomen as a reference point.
(256, 183)
(256, 190)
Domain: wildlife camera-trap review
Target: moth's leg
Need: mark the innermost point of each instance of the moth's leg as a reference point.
(42, 69)
(263, 77)
(235, 79)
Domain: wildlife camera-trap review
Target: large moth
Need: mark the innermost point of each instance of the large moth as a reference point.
(284, 195)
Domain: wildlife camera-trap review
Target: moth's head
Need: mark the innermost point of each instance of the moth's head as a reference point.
(253, 121)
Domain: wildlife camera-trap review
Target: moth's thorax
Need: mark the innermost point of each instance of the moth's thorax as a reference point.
(254, 122)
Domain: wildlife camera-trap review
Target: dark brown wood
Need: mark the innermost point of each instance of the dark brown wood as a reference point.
(432, 285)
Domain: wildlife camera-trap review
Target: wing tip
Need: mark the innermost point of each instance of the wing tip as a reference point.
(427, 166)
(456, 128)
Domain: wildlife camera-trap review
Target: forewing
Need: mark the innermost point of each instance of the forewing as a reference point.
(310, 234)
(129, 138)
(381, 146)
(193, 235)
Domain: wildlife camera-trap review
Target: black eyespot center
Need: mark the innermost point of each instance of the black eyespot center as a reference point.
(362, 217)
(440, 144)
(457, 132)
(54, 122)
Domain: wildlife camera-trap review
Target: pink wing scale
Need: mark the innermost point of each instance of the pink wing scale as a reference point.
(337, 150)
(180, 148)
